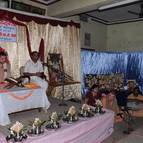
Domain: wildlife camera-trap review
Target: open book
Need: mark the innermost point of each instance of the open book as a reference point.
(16, 81)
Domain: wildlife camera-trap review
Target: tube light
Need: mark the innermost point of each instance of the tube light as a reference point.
(117, 4)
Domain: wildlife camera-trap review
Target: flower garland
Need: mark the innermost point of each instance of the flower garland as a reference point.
(19, 97)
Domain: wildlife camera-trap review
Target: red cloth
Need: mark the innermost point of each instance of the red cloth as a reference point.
(3, 90)
(27, 18)
(41, 50)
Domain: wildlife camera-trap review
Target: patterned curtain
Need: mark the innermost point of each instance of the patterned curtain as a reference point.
(57, 39)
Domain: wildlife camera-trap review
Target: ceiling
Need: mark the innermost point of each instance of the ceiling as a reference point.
(110, 11)
(117, 12)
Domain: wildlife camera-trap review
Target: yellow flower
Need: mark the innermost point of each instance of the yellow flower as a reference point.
(54, 116)
(17, 127)
(72, 110)
(37, 122)
(85, 107)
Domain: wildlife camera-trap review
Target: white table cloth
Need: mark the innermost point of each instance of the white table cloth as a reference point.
(19, 99)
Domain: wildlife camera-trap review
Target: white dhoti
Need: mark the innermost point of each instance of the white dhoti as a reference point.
(31, 67)
(42, 83)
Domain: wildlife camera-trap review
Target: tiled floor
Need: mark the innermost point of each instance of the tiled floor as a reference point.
(119, 137)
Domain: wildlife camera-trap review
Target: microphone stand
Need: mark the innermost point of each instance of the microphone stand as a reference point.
(62, 75)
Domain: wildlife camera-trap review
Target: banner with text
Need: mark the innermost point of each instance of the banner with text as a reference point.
(7, 31)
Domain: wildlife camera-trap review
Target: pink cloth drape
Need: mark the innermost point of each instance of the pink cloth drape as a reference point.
(91, 130)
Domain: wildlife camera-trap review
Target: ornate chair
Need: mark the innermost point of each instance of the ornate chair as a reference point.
(57, 76)
(56, 71)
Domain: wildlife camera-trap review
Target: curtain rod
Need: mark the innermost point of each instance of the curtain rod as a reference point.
(116, 4)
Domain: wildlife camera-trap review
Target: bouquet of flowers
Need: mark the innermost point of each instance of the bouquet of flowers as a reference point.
(17, 132)
(71, 115)
(54, 121)
(99, 106)
(86, 111)
(37, 127)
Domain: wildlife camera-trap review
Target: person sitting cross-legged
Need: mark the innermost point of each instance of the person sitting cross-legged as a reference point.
(34, 69)
(135, 101)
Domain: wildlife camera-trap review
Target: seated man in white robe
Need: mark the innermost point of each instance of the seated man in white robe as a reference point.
(34, 69)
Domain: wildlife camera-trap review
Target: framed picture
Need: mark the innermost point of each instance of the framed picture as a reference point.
(87, 39)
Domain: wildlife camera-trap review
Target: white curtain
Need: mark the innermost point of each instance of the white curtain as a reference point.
(57, 39)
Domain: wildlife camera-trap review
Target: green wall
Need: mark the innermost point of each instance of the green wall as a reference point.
(125, 37)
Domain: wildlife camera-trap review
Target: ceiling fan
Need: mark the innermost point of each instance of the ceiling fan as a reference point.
(140, 14)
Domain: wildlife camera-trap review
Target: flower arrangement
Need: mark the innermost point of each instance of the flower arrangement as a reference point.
(98, 106)
(86, 111)
(99, 103)
(37, 127)
(54, 121)
(71, 115)
(37, 122)
(54, 117)
(72, 111)
(17, 132)
(85, 107)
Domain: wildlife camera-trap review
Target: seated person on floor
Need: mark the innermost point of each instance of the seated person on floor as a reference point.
(34, 69)
(122, 96)
(4, 65)
(92, 95)
(109, 100)
(135, 101)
